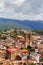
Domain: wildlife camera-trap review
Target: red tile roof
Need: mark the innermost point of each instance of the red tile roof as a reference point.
(40, 46)
(24, 51)
(32, 59)
(13, 49)
(2, 59)
(41, 54)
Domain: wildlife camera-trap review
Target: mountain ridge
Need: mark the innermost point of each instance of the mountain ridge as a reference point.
(32, 24)
(11, 23)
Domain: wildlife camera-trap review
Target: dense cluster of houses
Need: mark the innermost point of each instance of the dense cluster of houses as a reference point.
(11, 52)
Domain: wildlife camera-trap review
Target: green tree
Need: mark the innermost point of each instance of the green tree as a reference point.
(30, 49)
(32, 64)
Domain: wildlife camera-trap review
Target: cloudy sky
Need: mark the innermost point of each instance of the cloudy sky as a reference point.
(22, 9)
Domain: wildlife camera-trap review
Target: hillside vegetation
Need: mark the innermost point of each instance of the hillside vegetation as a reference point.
(39, 32)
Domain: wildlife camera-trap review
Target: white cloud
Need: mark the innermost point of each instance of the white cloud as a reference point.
(18, 2)
(22, 9)
(2, 4)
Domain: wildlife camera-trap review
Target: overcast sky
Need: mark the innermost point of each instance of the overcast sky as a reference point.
(22, 9)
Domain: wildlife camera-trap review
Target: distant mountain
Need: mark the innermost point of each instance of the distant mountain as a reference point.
(21, 24)
(35, 25)
(11, 23)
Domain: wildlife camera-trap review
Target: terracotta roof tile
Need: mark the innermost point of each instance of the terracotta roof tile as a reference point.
(13, 49)
(40, 46)
(24, 51)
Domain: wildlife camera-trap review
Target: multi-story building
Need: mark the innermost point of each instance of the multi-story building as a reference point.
(12, 53)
